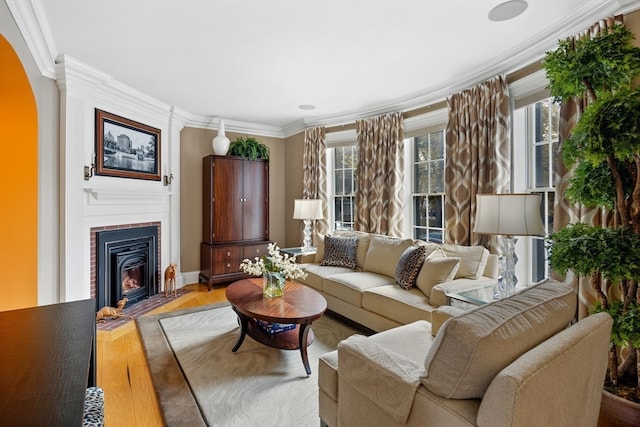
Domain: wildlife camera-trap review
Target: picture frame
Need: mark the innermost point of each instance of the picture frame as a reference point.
(125, 148)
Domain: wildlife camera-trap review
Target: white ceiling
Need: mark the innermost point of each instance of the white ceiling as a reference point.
(256, 61)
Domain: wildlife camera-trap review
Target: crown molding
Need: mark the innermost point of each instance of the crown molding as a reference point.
(530, 51)
(34, 27)
(211, 122)
(31, 20)
(75, 76)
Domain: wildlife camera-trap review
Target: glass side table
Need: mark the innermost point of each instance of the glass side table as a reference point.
(297, 252)
(481, 295)
(473, 297)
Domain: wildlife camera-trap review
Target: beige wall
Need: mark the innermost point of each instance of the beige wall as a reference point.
(196, 144)
(294, 146)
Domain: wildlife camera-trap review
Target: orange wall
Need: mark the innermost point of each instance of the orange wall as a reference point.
(18, 176)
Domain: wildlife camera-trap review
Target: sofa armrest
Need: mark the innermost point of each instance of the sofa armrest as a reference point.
(441, 315)
(386, 378)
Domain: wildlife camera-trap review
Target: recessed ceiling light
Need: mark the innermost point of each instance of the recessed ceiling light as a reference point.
(507, 10)
(306, 107)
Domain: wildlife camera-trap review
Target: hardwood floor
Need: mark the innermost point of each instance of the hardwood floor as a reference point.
(122, 368)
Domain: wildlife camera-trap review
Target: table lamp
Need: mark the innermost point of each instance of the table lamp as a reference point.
(307, 210)
(508, 215)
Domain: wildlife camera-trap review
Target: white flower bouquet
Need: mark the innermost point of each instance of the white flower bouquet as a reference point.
(275, 267)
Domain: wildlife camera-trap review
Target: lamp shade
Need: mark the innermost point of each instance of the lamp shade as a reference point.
(307, 209)
(508, 214)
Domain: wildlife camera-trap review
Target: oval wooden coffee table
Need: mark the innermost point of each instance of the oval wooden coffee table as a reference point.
(300, 305)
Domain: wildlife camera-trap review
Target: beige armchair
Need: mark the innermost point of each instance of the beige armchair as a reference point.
(510, 363)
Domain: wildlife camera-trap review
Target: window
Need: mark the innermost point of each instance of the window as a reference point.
(543, 119)
(428, 187)
(344, 169)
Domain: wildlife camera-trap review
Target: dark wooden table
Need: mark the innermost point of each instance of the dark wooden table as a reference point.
(46, 363)
(300, 305)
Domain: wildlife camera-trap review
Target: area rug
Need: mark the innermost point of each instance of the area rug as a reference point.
(200, 382)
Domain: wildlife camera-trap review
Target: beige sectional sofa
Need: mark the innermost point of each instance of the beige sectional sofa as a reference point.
(365, 288)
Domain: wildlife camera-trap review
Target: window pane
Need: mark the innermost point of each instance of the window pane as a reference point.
(421, 174)
(348, 181)
(339, 183)
(539, 259)
(435, 236)
(437, 145)
(555, 119)
(437, 176)
(435, 211)
(420, 211)
(421, 149)
(420, 233)
(339, 158)
(550, 203)
(347, 209)
(542, 166)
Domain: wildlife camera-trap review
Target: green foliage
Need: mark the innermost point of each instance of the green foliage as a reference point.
(593, 186)
(587, 250)
(603, 64)
(626, 323)
(248, 148)
(609, 126)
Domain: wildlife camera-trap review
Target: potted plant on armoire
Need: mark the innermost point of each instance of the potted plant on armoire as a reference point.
(603, 153)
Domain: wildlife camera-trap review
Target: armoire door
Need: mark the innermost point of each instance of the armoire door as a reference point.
(228, 200)
(256, 201)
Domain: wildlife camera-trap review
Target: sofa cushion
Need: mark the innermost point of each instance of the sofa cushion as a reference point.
(384, 253)
(316, 274)
(349, 287)
(473, 259)
(470, 349)
(340, 252)
(409, 266)
(436, 270)
(400, 305)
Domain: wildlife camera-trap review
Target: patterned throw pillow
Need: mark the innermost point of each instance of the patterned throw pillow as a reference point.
(409, 266)
(340, 252)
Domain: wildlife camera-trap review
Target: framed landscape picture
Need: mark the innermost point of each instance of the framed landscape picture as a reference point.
(125, 148)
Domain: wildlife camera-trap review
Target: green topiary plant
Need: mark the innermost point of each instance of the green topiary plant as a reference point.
(604, 152)
(248, 148)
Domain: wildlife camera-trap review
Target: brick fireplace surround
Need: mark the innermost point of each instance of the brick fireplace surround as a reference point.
(92, 238)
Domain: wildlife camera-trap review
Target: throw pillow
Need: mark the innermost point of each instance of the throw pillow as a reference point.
(471, 348)
(473, 259)
(436, 270)
(384, 253)
(409, 266)
(340, 252)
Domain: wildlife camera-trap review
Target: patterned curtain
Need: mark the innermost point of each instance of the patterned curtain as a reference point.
(564, 212)
(380, 174)
(478, 155)
(314, 174)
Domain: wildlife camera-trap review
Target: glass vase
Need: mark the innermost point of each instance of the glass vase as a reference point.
(273, 284)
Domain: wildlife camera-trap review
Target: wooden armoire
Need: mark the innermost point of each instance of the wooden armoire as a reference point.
(235, 216)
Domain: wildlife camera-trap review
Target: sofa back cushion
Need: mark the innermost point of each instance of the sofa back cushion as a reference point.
(470, 349)
(384, 253)
(473, 259)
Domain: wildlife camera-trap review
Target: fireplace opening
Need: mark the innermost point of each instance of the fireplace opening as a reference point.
(126, 265)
